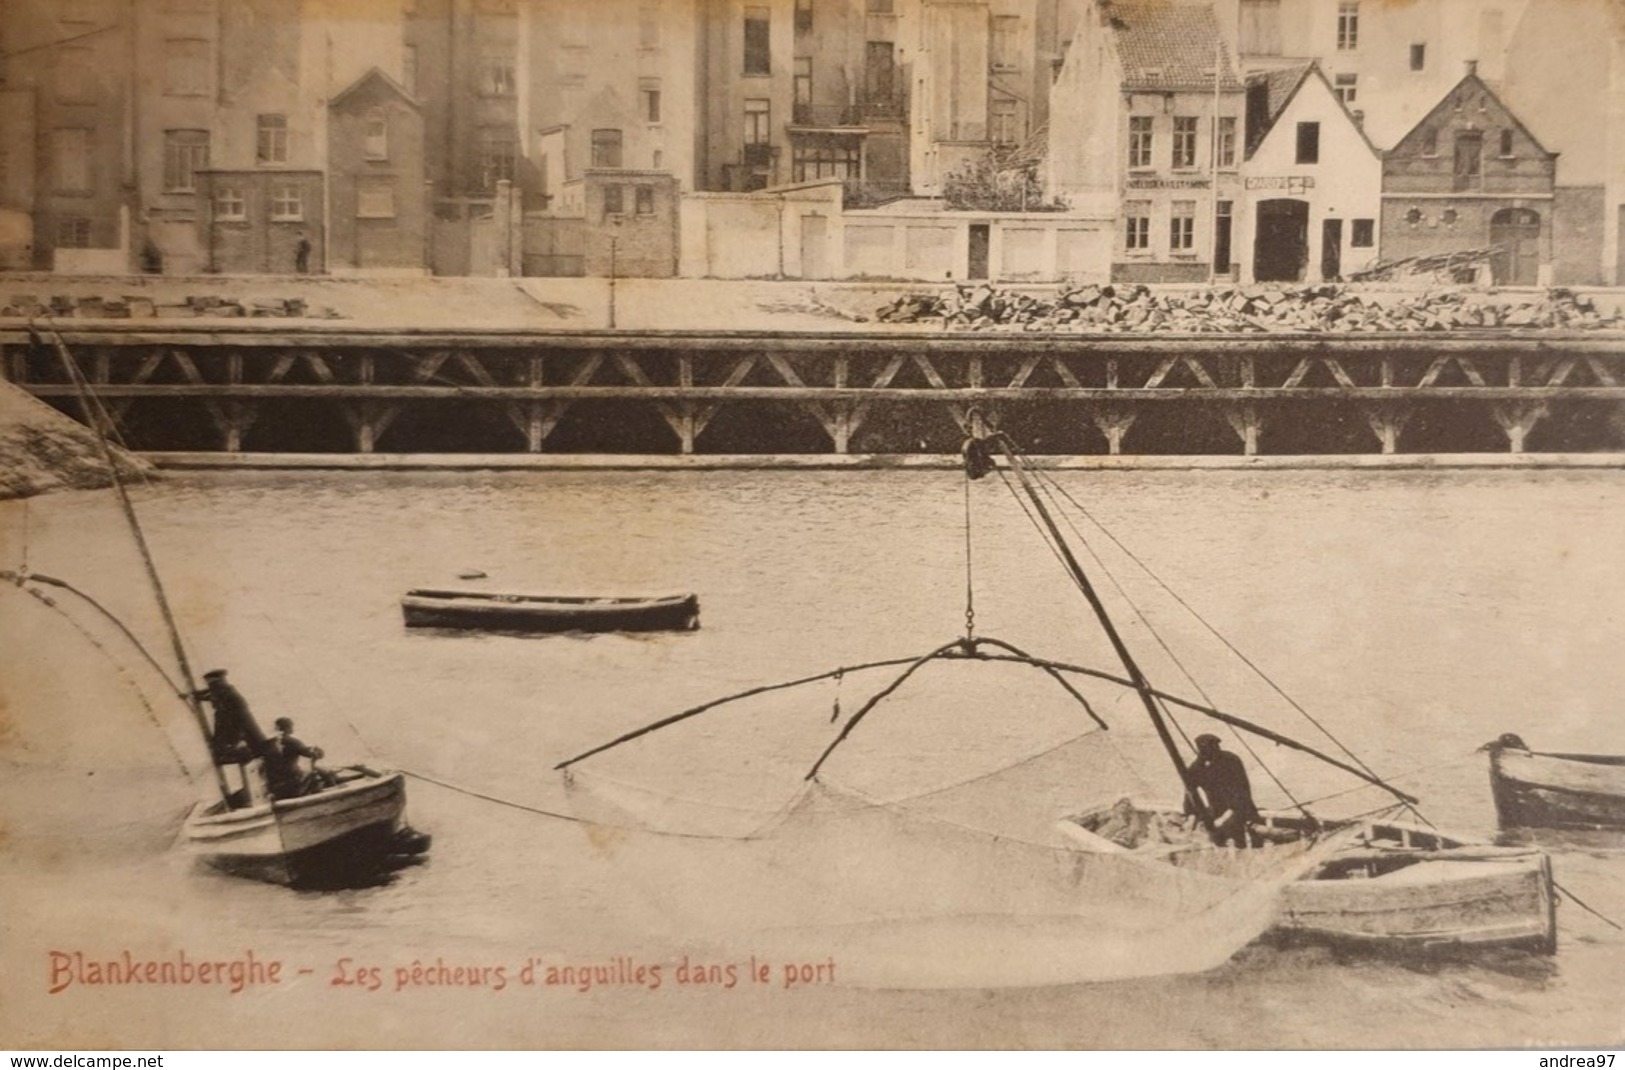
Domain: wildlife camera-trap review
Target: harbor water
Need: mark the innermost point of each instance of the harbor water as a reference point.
(1415, 615)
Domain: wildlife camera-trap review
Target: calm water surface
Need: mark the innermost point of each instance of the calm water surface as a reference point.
(1415, 615)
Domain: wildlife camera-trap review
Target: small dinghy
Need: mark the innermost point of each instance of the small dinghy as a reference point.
(542, 613)
(1535, 789)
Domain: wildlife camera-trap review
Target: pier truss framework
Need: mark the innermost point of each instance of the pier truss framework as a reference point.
(227, 386)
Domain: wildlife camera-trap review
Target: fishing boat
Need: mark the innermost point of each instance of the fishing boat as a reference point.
(350, 832)
(1536, 789)
(1400, 887)
(542, 613)
(340, 827)
(997, 878)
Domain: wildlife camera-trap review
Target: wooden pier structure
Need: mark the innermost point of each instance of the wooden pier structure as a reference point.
(327, 387)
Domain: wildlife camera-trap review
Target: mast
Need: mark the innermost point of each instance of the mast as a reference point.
(179, 649)
(1142, 687)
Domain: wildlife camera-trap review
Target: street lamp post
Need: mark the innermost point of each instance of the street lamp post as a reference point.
(614, 237)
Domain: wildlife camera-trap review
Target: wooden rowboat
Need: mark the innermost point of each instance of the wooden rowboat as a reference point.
(351, 832)
(1533, 789)
(1398, 887)
(492, 611)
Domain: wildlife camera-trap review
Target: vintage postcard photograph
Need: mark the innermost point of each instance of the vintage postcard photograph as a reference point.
(812, 524)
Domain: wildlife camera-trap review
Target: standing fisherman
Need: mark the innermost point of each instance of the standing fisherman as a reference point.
(236, 739)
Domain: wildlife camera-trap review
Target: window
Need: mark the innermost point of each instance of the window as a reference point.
(70, 153)
(1364, 234)
(1003, 121)
(1430, 142)
(1506, 143)
(1413, 216)
(1419, 57)
(375, 198)
(1348, 25)
(1182, 226)
(657, 160)
(1227, 141)
(1137, 225)
(229, 204)
(1260, 29)
(1448, 217)
(1006, 42)
(757, 55)
(75, 76)
(801, 85)
(758, 130)
(614, 199)
(804, 23)
(409, 68)
(375, 135)
(1348, 88)
(271, 139)
(644, 200)
(1469, 169)
(606, 148)
(814, 160)
(1184, 141)
(758, 151)
(186, 152)
(499, 154)
(649, 98)
(1139, 141)
(499, 77)
(649, 26)
(73, 232)
(287, 203)
(1308, 143)
(186, 68)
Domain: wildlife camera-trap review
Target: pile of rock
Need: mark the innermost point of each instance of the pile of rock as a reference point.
(1134, 308)
(42, 450)
(143, 307)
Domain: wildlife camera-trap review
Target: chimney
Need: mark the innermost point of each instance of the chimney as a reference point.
(1472, 67)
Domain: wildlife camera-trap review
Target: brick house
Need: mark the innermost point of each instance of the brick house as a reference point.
(1471, 176)
(377, 175)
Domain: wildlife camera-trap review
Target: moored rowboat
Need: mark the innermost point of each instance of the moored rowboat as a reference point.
(492, 611)
(1398, 887)
(349, 832)
(1534, 789)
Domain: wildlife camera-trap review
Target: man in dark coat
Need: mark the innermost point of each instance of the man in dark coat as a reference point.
(236, 739)
(282, 756)
(1222, 781)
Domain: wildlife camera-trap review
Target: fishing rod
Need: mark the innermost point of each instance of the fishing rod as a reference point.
(82, 390)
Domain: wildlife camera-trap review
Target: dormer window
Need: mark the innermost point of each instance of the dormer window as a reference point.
(375, 135)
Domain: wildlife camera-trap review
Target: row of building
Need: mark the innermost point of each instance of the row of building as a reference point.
(1160, 140)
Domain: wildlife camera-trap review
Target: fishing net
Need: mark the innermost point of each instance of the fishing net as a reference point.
(932, 849)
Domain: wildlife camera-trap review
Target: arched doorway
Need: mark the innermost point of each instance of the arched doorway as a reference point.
(1281, 242)
(1515, 234)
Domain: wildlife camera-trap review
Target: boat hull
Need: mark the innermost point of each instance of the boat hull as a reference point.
(350, 833)
(1565, 791)
(480, 611)
(1404, 889)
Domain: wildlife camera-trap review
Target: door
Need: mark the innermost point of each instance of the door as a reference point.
(1281, 243)
(1221, 238)
(979, 241)
(1331, 249)
(813, 239)
(1515, 237)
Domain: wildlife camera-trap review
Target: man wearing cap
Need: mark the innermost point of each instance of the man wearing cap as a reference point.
(236, 739)
(1222, 781)
(282, 756)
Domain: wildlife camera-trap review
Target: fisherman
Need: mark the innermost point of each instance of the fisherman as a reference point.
(1221, 779)
(282, 756)
(236, 739)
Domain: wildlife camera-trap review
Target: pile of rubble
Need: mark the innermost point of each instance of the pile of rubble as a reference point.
(1134, 308)
(143, 307)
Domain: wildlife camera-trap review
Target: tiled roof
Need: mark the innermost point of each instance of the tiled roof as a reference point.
(1281, 84)
(1168, 44)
